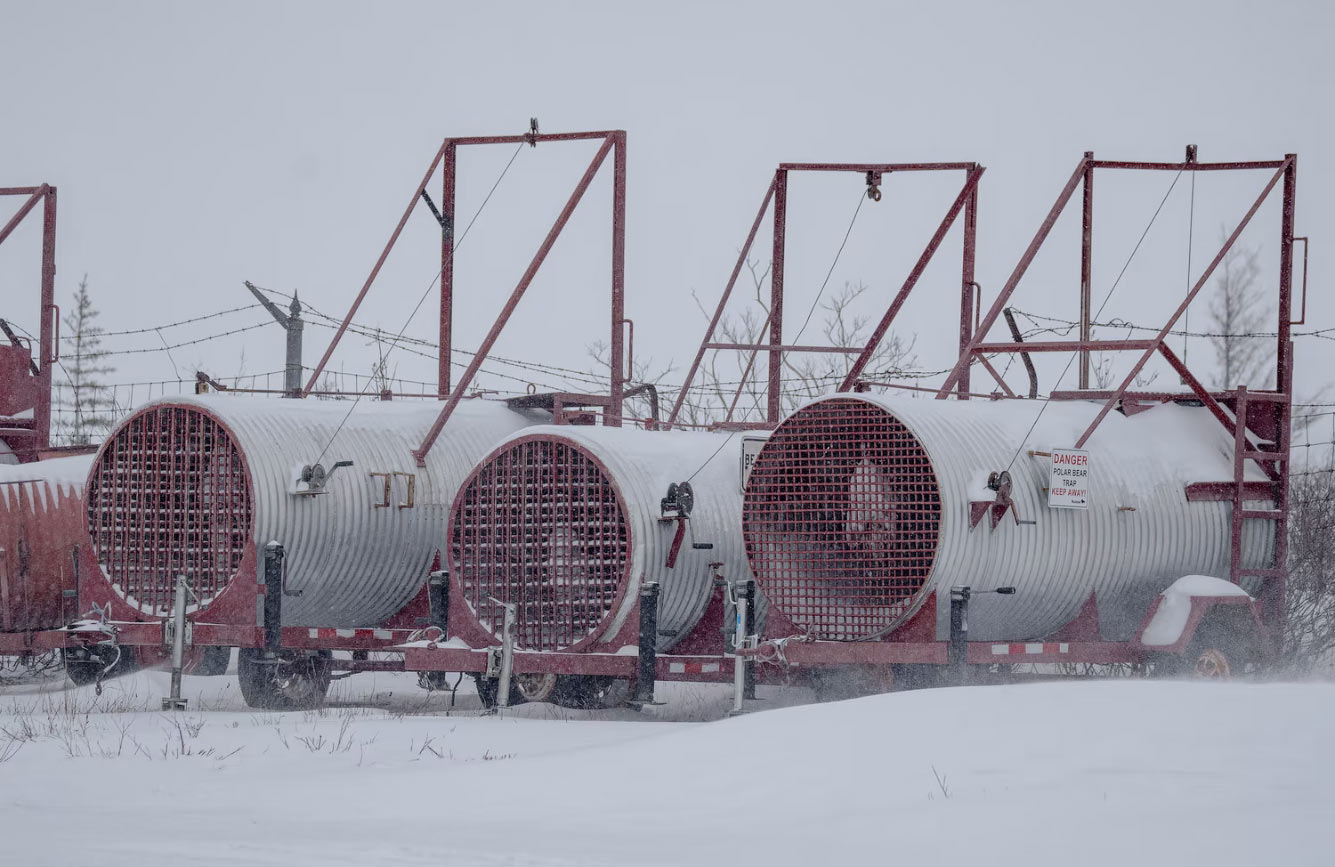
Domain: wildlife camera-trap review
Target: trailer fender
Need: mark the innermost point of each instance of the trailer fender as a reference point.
(1196, 605)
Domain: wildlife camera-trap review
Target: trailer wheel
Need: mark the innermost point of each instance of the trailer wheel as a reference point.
(291, 683)
(84, 666)
(213, 661)
(851, 681)
(1211, 663)
(536, 687)
(1216, 652)
(488, 689)
(590, 692)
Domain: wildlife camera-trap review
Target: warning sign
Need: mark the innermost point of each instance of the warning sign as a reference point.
(1068, 480)
(750, 451)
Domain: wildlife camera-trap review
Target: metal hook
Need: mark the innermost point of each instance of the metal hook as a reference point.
(874, 186)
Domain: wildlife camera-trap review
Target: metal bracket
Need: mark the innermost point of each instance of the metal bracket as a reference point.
(169, 632)
(1001, 483)
(493, 662)
(385, 495)
(412, 489)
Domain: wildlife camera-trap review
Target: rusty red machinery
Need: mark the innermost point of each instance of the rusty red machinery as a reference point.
(25, 377)
(41, 533)
(41, 486)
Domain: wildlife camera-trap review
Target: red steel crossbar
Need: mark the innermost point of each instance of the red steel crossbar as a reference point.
(445, 159)
(776, 198)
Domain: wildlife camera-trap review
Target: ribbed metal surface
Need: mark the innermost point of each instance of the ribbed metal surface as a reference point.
(857, 511)
(41, 523)
(565, 521)
(351, 560)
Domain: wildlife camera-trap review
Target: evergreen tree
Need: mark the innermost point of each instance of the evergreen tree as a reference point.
(88, 409)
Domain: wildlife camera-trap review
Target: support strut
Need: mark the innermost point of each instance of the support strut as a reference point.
(958, 654)
(646, 671)
(438, 601)
(272, 615)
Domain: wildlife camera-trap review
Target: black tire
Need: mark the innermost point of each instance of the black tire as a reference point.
(84, 667)
(291, 683)
(82, 671)
(850, 681)
(488, 691)
(213, 661)
(590, 692)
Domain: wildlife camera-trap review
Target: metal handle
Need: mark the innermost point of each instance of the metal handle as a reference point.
(1303, 319)
(630, 351)
(55, 344)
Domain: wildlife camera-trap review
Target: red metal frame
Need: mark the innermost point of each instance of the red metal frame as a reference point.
(446, 158)
(777, 196)
(1259, 420)
(22, 388)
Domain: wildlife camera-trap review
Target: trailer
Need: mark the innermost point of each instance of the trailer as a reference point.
(558, 548)
(587, 563)
(934, 541)
(303, 532)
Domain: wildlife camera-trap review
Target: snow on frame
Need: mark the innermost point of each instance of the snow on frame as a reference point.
(1165, 628)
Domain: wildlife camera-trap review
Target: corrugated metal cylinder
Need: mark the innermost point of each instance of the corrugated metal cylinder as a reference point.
(566, 521)
(41, 524)
(191, 484)
(858, 510)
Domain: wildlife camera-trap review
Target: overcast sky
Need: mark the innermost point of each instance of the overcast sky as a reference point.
(196, 146)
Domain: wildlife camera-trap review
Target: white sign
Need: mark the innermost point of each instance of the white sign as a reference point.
(1068, 479)
(750, 451)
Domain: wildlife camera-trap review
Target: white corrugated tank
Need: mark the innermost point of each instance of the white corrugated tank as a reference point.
(858, 510)
(189, 483)
(565, 520)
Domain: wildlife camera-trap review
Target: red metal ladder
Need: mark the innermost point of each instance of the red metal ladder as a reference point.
(1275, 462)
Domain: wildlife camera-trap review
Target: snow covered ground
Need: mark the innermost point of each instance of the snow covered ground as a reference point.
(1125, 773)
